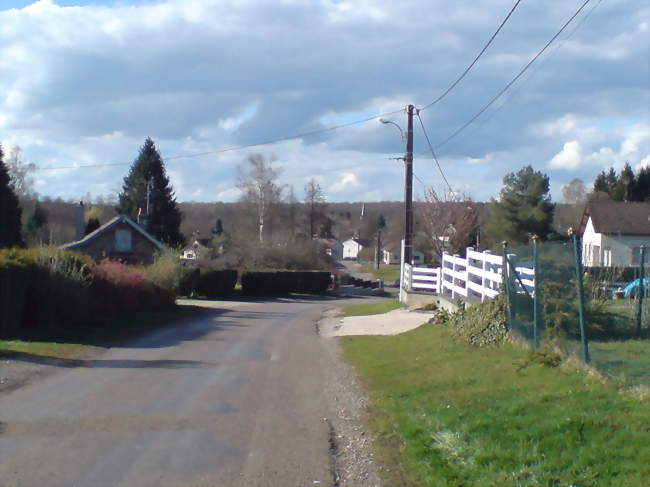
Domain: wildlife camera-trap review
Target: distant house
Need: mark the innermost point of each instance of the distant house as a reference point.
(393, 255)
(198, 249)
(331, 247)
(353, 246)
(612, 233)
(120, 239)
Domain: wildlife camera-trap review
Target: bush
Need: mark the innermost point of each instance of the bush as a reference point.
(50, 288)
(166, 271)
(216, 284)
(481, 325)
(284, 282)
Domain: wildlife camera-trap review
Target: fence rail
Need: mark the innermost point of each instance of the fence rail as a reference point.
(478, 275)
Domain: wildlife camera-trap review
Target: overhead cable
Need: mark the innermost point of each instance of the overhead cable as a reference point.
(489, 42)
(513, 80)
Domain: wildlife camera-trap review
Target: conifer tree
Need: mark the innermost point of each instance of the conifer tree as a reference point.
(164, 218)
(10, 211)
(524, 208)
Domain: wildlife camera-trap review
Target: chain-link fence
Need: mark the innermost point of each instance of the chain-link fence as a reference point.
(599, 315)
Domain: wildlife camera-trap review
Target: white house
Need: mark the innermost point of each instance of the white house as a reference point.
(612, 233)
(393, 256)
(353, 246)
(198, 249)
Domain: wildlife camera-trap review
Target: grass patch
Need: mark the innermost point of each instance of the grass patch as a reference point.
(70, 342)
(374, 308)
(628, 360)
(387, 273)
(447, 414)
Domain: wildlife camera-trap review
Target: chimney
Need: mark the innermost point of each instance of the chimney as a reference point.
(80, 224)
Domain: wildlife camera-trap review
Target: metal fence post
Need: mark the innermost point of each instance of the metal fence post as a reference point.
(639, 313)
(581, 300)
(505, 275)
(538, 289)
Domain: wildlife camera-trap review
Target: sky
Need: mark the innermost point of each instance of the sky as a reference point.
(84, 83)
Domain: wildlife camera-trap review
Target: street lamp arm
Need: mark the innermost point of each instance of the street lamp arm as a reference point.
(386, 122)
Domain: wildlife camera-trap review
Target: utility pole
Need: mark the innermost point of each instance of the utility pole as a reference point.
(408, 189)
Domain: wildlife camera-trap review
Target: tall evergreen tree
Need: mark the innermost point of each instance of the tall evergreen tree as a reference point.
(218, 227)
(10, 211)
(524, 208)
(37, 225)
(164, 219)
(642, 185)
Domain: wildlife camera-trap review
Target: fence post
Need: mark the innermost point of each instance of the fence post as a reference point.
(537, 290)
(505, 277)
(639, 313)
(581, 300)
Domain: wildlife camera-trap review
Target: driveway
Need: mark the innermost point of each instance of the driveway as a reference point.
(236, 397)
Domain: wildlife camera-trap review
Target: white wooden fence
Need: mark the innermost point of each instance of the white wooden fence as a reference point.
(477, 275)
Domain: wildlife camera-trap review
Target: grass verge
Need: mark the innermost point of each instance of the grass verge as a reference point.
(447, 414)
(387, 273)
(374, 308)
(66, 343)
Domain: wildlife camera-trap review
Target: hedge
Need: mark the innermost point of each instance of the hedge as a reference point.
(284, 282)
(216, 284)
(49, 288)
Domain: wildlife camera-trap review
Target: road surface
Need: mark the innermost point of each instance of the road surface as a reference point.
(232, 398)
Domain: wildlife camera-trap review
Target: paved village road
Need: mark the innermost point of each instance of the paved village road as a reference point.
(232, 398)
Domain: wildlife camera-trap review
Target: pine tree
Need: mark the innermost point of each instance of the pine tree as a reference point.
(164, 217)
(10, 211)
(642, 186)
(218, 227)
(37, 225)
(524, 208)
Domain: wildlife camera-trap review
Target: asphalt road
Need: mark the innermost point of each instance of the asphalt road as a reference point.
(233, 398)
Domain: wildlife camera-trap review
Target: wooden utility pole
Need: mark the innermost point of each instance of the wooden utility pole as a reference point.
(408, 189)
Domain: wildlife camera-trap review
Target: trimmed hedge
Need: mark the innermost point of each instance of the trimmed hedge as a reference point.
(49, 288)
(284, 282)
(216, 284)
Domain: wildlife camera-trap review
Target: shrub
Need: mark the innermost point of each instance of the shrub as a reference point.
(189, 281)
(15, 277)
(216, 284)
(480, 325)
(284, 282)
(166, 271)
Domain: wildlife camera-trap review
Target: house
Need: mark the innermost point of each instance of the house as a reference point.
(198, 249)
(393, 255)
(120, 239)
(353, 247)
(612, 233)
(331, 247)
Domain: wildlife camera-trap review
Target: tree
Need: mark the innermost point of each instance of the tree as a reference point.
(218, 227)
(37, 225)
(450, 222)
(91, 225)
(10, 211)
(164, 218)
(20, 174)
(258, 183)
(315, 200)
(574, 192)
(524, 208)
(381, 223)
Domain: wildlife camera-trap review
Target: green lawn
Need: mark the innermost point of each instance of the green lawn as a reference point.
(72, 342)
(387, 273)
(373, 308)
(628, 360)
(449, 415)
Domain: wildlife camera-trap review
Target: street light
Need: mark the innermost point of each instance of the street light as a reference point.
(386, 122)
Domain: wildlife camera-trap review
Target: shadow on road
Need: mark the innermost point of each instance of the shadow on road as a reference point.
(106, 364)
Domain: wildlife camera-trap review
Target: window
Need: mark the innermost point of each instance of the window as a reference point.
(123, 240)
(607, 256)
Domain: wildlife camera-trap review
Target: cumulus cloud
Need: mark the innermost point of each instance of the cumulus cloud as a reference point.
(86, 85)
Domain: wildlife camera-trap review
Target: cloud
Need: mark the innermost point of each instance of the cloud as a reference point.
(86, 85)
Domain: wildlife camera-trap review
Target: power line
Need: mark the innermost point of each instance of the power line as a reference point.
(235, 148)
(513, 80)
(489, 42)
(531, 75)
(433, 153)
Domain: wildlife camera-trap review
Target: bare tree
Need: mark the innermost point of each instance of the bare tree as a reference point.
(450, 221)
(574, 192)
(258, 184)
(20, 174)
(315, 200)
